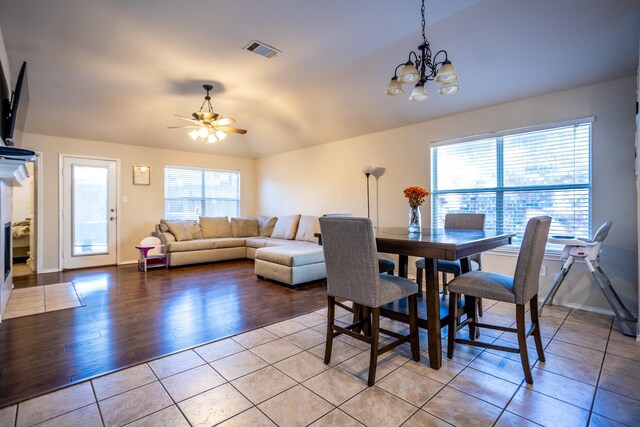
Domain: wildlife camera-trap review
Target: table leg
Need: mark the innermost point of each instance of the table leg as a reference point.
(432, 300)
(403, 262)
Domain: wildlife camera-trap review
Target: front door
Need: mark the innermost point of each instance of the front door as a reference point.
(89, 212)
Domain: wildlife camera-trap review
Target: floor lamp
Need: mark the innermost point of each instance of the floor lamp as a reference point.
(367, 171)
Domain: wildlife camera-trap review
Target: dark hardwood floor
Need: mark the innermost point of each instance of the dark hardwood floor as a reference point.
(132, 317)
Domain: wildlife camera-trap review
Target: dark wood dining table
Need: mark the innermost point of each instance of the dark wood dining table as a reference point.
(434, 244)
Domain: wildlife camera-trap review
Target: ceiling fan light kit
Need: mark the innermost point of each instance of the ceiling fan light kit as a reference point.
(206, 124)
(422, 67)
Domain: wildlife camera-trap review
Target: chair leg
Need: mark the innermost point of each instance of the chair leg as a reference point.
(375, 335)
(480, 307)
(445, 288)
(331, 314)
(453, 309)
(413, 327)
(522, 342)
(536, 332)
(470, 306)
(419, 281)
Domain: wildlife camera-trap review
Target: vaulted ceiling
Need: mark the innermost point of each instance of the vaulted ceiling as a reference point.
(118, 71)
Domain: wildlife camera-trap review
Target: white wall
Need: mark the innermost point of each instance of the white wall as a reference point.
(329, 178)
(145, 205)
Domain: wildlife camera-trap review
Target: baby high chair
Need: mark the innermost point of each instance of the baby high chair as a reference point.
(589, 251)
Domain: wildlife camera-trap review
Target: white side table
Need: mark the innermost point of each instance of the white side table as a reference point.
(146, 260)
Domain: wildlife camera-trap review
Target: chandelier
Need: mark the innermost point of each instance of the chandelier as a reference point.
(422, 67)
(206, 124)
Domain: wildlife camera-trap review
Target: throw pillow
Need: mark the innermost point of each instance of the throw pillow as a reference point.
(266, 224)
(194, 229)
(244, 227)
(215, 227)
(308, 226)
(179, 230)
(163, 226)
(286, 227)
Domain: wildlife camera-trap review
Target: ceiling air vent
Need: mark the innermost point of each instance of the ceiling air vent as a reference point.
(262, 49)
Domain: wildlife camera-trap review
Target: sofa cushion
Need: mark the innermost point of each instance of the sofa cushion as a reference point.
(168, 236)
(292, 255)
(191, 245)
(228, 242)
(244, 227)
(179, 230)
(308, 226)
(286, 227)
(194, 229)
(215, 227)
(266, 224)
(256, 242)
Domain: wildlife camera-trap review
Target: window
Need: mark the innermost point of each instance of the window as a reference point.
(515, 176)
(190, 193)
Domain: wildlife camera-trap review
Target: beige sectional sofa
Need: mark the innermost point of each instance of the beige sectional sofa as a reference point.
(284, 249)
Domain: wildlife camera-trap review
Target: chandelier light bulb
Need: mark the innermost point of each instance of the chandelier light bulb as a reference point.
(447, 73)
(193, 134)
(419, 93)
(212, 138)
(394, 88)
(449, 89)
(220, 135)
(408, 73)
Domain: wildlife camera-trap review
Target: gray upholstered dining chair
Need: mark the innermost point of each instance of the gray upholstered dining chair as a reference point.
(455, 221)
(384, 265)
(519, 289)
(351, 259)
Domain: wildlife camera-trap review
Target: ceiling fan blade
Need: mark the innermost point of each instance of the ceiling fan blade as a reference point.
(223, 121)
(231, 130)
(183, 127)
(187, 119)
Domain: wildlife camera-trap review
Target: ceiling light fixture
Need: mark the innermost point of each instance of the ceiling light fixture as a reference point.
(206, 124)
(420, 68)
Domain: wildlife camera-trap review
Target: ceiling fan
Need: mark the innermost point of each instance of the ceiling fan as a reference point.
(208, 125)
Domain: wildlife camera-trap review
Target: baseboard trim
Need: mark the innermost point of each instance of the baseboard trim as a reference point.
(589, 308)
(128, 262)
(48, 270)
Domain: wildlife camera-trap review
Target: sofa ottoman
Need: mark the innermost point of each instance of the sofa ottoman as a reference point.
(292, 265)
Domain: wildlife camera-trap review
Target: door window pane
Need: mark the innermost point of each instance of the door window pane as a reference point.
(90, 216)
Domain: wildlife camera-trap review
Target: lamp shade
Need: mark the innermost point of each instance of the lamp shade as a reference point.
(408, 73)
(448, 89)
(394, 88)
(221, 135)
(446, 73)
(419, 93)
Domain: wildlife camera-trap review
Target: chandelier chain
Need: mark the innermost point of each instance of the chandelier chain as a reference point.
(424, 37)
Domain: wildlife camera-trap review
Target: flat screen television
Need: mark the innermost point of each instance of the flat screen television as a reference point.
(14, 110)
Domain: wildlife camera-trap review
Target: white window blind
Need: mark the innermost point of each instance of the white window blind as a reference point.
(512, 178)
(190, 193)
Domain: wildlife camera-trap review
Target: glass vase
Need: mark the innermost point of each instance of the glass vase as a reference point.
(415, 220)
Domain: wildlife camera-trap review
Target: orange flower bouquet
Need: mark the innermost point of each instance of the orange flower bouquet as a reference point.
(416, 196)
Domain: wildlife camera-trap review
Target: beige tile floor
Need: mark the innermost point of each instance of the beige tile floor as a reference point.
(40, 299)
(275, 376)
